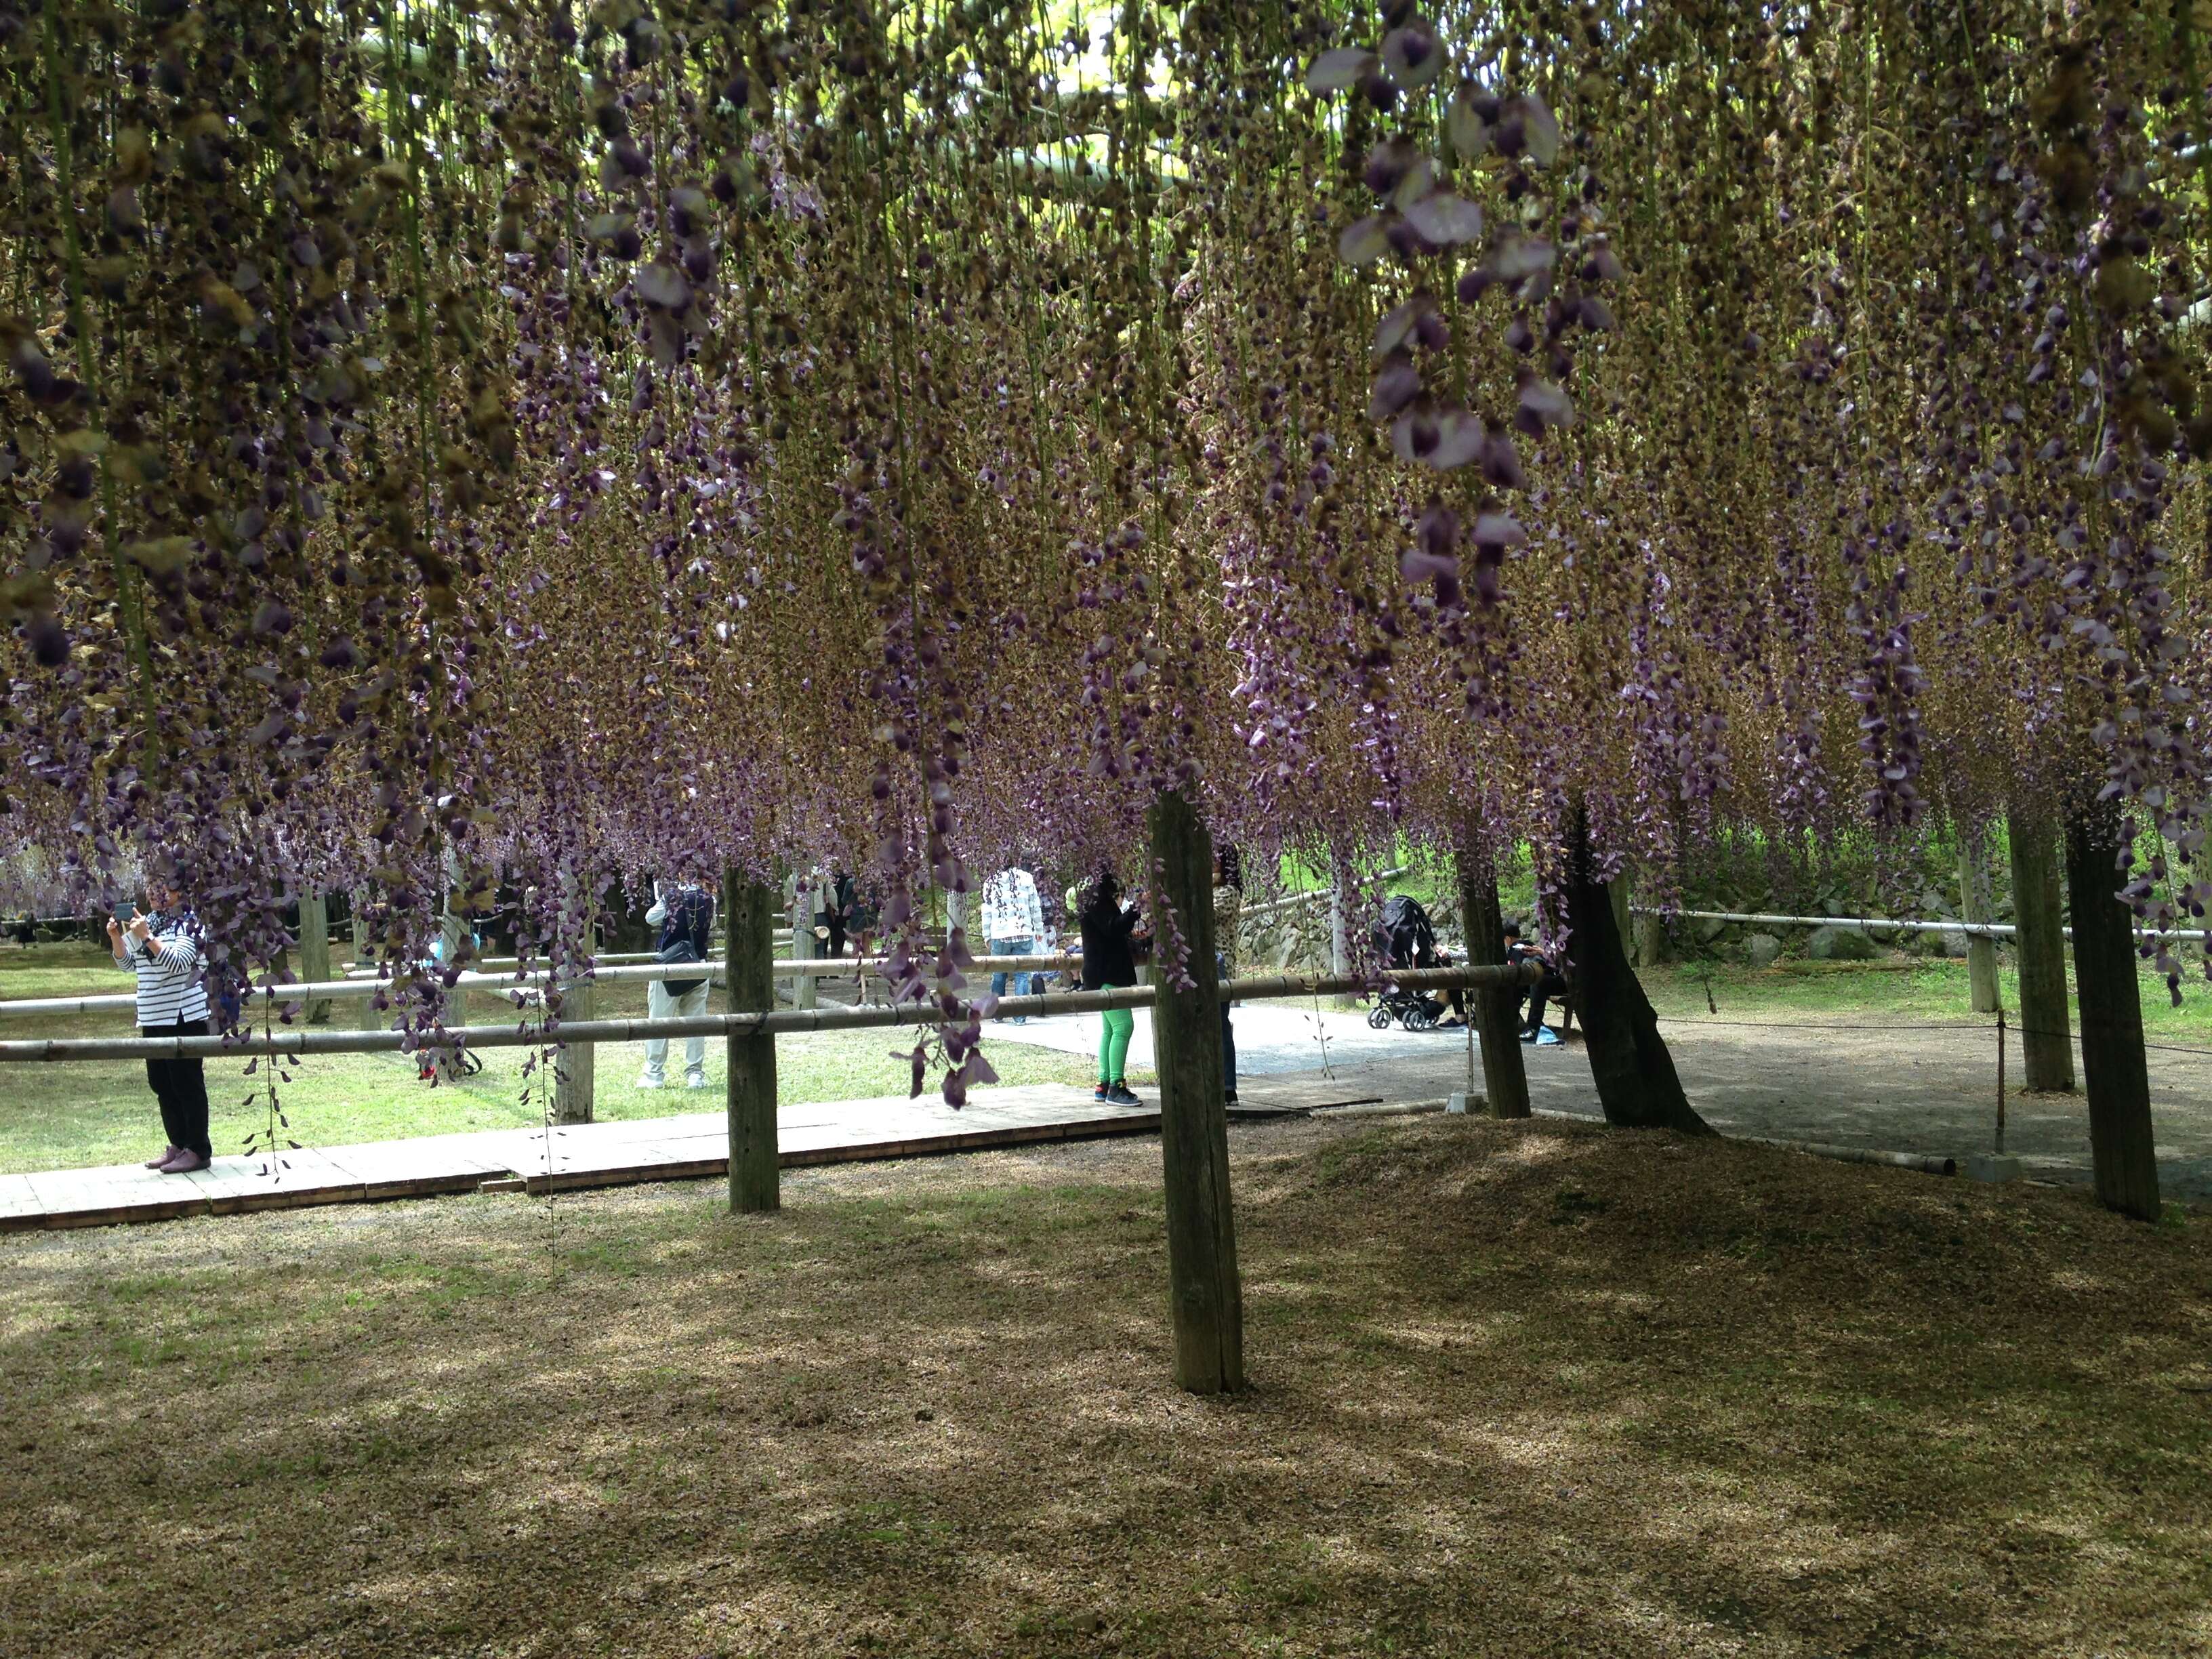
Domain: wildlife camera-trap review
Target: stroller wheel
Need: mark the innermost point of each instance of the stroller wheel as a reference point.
(1378, 1017)
(1419, 1017)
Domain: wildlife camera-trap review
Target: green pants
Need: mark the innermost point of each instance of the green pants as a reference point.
(1114, 1042)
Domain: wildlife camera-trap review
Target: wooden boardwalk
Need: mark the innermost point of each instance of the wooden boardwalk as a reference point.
(611, 1154)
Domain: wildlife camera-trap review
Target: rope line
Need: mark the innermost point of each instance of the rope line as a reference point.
(2072, 1036)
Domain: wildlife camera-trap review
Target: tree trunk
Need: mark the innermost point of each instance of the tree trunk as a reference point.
(1635, 1075)
(1974, 905)
(2044, 1024)
(1505, 1079)
(2121, 1148)
(315, 952)
(575, 1073)
(1205, 1296)
(749, 908)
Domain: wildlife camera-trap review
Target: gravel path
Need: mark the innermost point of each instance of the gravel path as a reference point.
(1898, 1089)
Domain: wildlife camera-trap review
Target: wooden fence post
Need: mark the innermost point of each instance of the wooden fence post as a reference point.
(2045, 1028)
(1974, 905)
(1205, 1297)
(802, 941)
(315, 951)
(2122, 1152)
(749, 908)
(1505, 1078)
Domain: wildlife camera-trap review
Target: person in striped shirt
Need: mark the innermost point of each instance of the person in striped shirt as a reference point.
(163, 947)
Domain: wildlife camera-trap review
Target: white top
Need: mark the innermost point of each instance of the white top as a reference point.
(167, 963)
(1012, 909)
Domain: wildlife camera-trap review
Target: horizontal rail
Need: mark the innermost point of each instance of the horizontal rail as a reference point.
(292, 1042)
(1319, 895)
(339, 989)
(1970, 929)
(619, 958)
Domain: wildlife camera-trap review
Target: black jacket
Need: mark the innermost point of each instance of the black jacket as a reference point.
(1107, 958)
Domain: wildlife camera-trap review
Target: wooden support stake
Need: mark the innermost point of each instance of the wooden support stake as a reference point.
(453, 929)
(576, 1067)
(2046, 1036)
(1505, 1078)
(749, 908)
(2122, 1151)
(315, 952)
(370, 1020)
(2001, 1082)
(1974, 905)
(1204, 1295)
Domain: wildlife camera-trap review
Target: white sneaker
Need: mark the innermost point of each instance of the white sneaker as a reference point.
(695, 1082)
(651, 1082)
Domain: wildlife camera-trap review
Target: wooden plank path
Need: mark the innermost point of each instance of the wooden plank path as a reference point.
(567, 1157)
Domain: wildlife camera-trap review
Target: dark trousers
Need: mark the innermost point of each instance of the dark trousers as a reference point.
(181, 1087)
(1545, 989)
(1228, 1039)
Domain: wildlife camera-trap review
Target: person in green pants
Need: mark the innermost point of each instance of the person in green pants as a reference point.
(1109, 963)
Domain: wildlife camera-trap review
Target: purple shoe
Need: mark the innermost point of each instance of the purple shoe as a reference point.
(157, 1163)
(185, 1162)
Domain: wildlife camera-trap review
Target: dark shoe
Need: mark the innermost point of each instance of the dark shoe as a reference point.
(1098, 1094)
(157, 1163)
(1528, 1037)
(1119, 1095)
(185, 1162)
(1228, 1099)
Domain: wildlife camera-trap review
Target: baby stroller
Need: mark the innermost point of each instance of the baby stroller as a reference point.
(1404, 939)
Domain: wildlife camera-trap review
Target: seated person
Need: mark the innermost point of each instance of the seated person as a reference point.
(1518, 950)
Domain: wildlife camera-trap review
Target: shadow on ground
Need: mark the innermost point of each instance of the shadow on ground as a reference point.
(1520, 1390)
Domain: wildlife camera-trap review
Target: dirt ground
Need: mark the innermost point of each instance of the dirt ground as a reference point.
(1896, 1088)
(1517, 1389)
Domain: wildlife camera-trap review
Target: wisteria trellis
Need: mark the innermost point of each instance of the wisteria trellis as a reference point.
(573, 442)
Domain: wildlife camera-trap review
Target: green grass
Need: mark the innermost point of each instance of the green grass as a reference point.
(69, 1116)
(1897, 990)
(80, 1114)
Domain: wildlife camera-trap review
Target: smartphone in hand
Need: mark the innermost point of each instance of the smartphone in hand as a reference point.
(124, 911)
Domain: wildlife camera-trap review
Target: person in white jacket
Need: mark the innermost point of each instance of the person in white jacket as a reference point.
(686, 915)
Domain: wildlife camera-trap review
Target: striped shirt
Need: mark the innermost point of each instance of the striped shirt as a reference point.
(168, 963)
